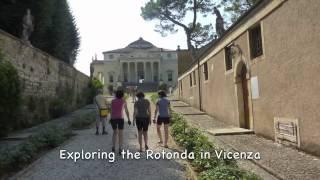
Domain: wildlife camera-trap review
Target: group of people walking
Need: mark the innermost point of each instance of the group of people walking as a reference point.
(141, 117)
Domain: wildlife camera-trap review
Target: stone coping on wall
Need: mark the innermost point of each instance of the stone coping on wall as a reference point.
(39, 51)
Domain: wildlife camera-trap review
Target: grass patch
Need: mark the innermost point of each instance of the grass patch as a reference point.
(154, 97)
(193, 140)
(17, 157)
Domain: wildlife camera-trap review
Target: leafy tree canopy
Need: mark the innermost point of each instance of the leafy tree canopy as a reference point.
(235, 8)
(172, 14)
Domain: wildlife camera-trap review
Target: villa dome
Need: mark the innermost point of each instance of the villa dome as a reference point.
(141, 44)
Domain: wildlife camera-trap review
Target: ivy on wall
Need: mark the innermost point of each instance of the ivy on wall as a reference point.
(10, 96)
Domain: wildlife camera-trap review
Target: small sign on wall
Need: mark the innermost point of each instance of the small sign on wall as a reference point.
(254, 87)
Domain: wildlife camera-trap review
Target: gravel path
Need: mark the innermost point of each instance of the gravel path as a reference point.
(51, 167)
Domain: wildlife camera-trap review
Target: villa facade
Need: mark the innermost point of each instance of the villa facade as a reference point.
(138, 64)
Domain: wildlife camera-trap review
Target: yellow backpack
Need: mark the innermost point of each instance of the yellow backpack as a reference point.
(102, 112)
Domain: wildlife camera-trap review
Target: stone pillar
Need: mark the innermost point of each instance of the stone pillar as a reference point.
(144, 71)
(136, 71)
(151, 64)
(120, 73)
(129, 72)
(125, 71)
(159, 77)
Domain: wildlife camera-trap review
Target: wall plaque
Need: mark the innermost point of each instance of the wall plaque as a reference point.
(287, 131)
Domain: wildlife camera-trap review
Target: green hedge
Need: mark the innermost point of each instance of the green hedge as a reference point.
(92, 90)
(163, 87)
(84, 121)
(13, 159)
(193, 140)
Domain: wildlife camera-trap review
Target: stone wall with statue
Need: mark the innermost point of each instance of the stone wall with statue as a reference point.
(50, 87)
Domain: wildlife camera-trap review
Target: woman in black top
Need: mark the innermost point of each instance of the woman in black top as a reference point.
(142, 117)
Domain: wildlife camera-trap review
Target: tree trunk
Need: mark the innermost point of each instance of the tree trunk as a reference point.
(193, 55)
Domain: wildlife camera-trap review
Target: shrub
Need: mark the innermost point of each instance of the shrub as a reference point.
(97, 84)
(93, 87)
(163, 87)
(83, 122)
(193, 140)
(227, 173)
(52, 136)
(57, 108)
(17, 157)
(10, 96)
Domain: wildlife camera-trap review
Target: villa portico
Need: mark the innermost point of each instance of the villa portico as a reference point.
(135, 71)
(137, 64)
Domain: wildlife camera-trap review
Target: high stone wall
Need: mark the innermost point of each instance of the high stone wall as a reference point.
(48, 85)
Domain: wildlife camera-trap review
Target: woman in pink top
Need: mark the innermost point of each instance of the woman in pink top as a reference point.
(117, 120)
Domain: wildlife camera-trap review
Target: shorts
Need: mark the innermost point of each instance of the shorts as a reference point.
(117, 124)
(164, 120)
(142, 124)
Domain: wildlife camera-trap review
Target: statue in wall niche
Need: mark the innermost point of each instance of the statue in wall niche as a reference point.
(219, 22)
(28, 27)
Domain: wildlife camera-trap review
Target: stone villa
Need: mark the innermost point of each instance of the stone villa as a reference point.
(262, 74)
(139, 64)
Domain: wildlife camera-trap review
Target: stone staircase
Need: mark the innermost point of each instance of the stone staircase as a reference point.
(144, 87)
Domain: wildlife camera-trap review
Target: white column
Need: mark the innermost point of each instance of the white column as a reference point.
(144, 71)
(129, 72)
(151, 71)
(125, 72)
(159, 77)
(120, 73)
(136, 71)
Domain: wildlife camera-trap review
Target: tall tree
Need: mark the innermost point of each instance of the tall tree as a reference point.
(172, 14)
(63, 33)
(235, 8)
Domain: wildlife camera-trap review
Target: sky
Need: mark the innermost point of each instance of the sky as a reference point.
(107, 25)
